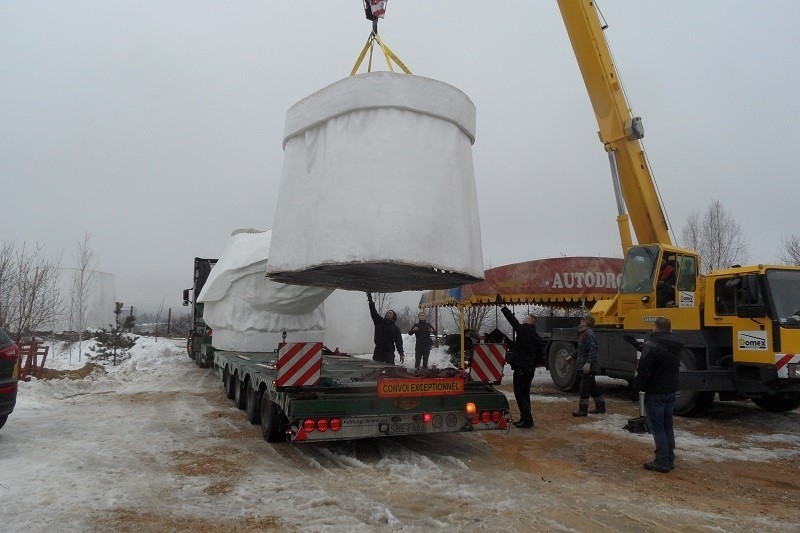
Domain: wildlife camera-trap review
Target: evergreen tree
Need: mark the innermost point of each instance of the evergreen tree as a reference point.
(113, 343)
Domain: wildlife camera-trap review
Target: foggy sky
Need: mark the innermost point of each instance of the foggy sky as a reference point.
(157, 126)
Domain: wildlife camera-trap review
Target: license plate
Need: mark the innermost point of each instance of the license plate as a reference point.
(406, 428)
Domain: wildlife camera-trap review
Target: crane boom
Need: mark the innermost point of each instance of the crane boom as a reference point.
(619, 131)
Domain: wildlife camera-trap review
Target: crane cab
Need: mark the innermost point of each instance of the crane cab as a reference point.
(657, 280)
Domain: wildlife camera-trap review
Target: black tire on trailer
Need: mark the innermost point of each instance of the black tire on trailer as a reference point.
(238, 392)
(690, 403)
(564, 374)
(776, 403)
(253, 403)
(227, 382)
(271, 419)
(3, 420)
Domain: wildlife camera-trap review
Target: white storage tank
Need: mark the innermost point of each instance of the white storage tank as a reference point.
(378, 188)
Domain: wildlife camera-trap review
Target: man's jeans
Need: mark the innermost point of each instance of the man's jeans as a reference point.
(659, 420)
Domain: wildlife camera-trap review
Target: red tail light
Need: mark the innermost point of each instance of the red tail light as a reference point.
(9, 354)
(486, 416)
(335, 424)
(496, 416)
(426, 417)
(309, 425)
(322, 424)
(476, 420)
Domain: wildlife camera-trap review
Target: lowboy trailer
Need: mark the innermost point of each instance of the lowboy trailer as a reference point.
(299, 394)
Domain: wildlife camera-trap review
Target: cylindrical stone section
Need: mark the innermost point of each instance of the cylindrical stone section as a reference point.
(378, 188)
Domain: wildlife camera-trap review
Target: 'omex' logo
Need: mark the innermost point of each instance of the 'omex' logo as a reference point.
(753, 340)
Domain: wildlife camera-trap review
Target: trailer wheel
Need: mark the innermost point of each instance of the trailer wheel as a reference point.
(689, 403)
(564, 374)
(271, 419)
(778, 403)
(227, 382)
(3, 420)
(238, 392)
(253, 403)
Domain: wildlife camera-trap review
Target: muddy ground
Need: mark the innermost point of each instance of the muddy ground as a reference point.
(170, 453)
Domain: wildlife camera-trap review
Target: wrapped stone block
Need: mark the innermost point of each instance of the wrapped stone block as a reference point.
(378, 188)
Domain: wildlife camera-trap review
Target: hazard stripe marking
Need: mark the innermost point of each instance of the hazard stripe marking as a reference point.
(299, 364)
(487, 363)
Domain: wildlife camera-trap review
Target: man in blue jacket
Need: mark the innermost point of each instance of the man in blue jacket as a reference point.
(588, 368)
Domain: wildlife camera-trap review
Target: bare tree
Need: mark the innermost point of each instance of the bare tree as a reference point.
(790, 254)
(406, 318)
(717, 237)
(7, 274)
(83, 282)
(691, 232)
(474, 317)
(159, 314)
(35, 296)
(383, 301)
(182, 322)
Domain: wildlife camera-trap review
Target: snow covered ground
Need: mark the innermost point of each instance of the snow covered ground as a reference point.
(153, 445)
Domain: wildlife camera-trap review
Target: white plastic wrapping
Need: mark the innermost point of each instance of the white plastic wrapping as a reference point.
(247, 311)
(378, 187)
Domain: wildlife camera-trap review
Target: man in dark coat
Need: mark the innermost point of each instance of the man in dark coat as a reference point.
(657, 376)
(422, 348)
(387, 335)
(588, 368)
(527, 346)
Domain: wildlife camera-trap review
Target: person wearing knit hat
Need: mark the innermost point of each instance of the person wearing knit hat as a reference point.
(588, 367)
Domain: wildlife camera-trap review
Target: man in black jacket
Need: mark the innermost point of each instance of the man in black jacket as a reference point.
(387, 335)
(526, 349)
(657, 376)
(422, 348)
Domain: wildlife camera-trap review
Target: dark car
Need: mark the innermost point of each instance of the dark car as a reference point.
(9, 357)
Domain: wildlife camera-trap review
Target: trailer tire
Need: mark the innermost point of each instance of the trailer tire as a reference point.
(239, 397)
(778, 403)
(227, 382)
(690, 403)
(253, 403)
(271, 419)
(3, 420)
(565, 375)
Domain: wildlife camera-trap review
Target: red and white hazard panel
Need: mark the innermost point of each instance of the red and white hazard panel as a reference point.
(782, 362)
(487, 363)
(299, 364)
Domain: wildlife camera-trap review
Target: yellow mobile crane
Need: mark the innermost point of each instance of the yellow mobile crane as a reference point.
(740, 326)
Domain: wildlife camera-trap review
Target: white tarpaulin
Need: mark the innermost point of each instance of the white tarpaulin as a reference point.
(247, 311)
(371, 165)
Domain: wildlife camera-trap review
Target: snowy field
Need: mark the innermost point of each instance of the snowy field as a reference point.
(153, 445)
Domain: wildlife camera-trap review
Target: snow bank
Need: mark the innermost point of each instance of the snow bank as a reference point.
(370, 164)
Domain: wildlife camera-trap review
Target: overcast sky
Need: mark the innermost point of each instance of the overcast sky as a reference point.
(157, 126)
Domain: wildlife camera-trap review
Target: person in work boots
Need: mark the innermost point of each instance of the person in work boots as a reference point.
(588, 367)
(657, 376)
(527, 345)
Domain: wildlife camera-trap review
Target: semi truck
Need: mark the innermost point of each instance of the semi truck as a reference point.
(199, 333)
(303, 392)
(740, 325)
